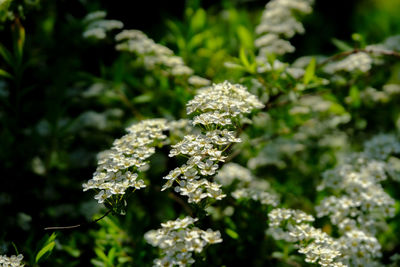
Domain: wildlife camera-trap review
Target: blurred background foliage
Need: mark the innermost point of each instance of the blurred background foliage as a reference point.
(65, 98)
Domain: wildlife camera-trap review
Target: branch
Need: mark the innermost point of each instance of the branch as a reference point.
(185, 206)
(78, 225)
(357, 50)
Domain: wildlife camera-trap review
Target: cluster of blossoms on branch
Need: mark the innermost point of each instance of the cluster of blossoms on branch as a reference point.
(359, 200)
(359, 204)
(293, 226)
(179, 239)
(391, 43)
(118, 167)
(362, 61)
(278, 22)
(97, 26)
(371, 95)
(357, 62)
(156, 56)
(219, 109)
(13, 261)
(246, 185)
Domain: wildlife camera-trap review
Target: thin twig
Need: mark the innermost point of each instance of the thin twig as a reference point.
(78, 225)
(185, 206)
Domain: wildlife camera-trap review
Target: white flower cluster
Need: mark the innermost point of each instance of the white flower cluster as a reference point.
(232, 172)
(179, 239)
(118, 167)
(360, 204)
(98, 120)
(357, 62)
(361, 201)
(198, 81)
(372, 95)
(278, 23)
(13, 261)
(223, 100)
(275, 152)
(178, 129)
(97, 27)
(248, 187)
(154, 55)
(382, 146)
(392, 43)
(319, 126)
(317, 246)
(218, 107)
(386, 148)
(358, 248)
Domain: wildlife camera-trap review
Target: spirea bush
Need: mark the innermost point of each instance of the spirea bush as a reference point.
(245, 150)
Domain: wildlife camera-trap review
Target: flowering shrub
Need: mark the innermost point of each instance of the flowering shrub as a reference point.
(245, 142)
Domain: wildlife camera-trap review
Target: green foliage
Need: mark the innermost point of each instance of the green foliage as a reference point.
(47, 247)
(310, 72)
(65, 98)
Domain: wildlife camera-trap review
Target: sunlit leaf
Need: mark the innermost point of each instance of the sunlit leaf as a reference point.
(198, 20)
(47, 248)
(245, 37)
(341, 45)
(310, 71)
(5, 74)
(232, 233)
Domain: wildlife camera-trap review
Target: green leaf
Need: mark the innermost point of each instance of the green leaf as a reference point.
(18, 32)
(97, 263)
(15, 248)
(196, 40)
(5, 74)
(232, 233)
(245, 37)
(144, 98)
(243, 57)
(355, 96)
(6, 55)
(101, 254)
(21, 40)
(198, 20)
(310, 71)
(341, 45)
(124, 259)
(74, 252)
(4, 9)
(111, 255)
(47, 248)
(174, 27)
(250, 66)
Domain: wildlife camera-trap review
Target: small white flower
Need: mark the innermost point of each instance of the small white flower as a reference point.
(117, 167)
(103, 195)
(178, 241)
(278, 22)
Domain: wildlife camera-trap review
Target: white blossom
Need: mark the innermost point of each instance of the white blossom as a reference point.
(13, 261)
(178, 240)
(316, 245)
(247, 186)
(156, 56)
(279, 23)
(218, 110)
(360, 204)
(357, 62)
(118, 167)
(97, 27)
